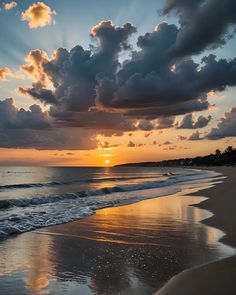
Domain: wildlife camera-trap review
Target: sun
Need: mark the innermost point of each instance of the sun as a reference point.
(107, 162)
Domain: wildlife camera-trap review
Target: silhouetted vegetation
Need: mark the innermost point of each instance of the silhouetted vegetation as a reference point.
(225, 158)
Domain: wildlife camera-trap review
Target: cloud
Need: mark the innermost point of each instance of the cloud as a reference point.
(165, 122)
(226, 126)
(13, 118)
(181, 137)
(145, 125)
(92, 90)
(33, 128)
(131, 144)
(74, 73)
(195, 34)
(106, 31)
(160, 123)
(188, 122)
(10, 5)
(161, 92)
(142, 87)
(93, 120)
(146, 135)
(107, 145)
(165, 143)
(38, 15)
(49, 139)
(195, 136)
(34, 67)
(4, 73)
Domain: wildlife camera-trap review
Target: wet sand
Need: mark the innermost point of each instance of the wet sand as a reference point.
(216, 278)
(129, 250)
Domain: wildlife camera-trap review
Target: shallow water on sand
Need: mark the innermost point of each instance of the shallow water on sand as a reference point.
(126, 250)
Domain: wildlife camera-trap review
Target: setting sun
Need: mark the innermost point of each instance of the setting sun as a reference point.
(107, 162)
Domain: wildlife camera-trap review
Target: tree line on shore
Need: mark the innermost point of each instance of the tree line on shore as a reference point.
(218, 158)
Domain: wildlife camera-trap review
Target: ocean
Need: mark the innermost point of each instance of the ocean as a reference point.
(32, 197)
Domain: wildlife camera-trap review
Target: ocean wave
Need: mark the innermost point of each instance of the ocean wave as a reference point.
(93, 192)
(69, 182)
(21, 215)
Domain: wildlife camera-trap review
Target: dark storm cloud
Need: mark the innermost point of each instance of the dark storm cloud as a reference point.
(93, 119)
(33, 128)
(172, 110)
(226, 127)
(48, 139)
(91, 89)
(161, 89)
(165, 122)
(145, 125)
(39, 92)
(74, 73)
(203, 24)
(188, 122)
(161, 123)
(13, 118)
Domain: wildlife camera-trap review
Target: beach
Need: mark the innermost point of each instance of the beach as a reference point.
(217, 277)
(131, 249)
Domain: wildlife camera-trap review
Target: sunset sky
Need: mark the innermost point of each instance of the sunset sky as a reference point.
(106, 82)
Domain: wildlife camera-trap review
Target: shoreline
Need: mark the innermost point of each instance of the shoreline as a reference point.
(217, 277)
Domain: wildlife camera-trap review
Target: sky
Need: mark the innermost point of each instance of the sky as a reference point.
(99, 83)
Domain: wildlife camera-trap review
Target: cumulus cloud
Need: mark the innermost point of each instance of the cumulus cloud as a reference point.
(143, 86)
(226, 126)
(195, 136)
(34, 128)
(13, 118)
(4, 73)
(195, 33)
(145, 125)
(10, 5)
(74, 73)
(38, 15)
(93, 90)
(161, 92)
(34, 67)
(165, 122)
(188, 122)
(160, 123)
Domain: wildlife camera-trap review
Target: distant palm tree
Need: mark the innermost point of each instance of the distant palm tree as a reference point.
(218, 152)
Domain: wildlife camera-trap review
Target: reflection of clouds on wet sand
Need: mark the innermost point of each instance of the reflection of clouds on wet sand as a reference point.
(132, 249)
(40, 268)
(29, 254)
